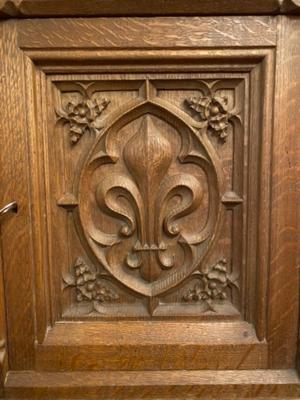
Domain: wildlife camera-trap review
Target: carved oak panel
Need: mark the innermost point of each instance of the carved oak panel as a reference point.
(151, 194)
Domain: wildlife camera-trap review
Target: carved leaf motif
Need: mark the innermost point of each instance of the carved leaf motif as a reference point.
(82, 115)
(88, 284)
(212, 109)
(212, 285)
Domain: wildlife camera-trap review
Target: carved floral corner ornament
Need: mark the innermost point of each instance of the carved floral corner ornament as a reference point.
(89, 285)
(212, 285)
(212, 109)
(82, 114)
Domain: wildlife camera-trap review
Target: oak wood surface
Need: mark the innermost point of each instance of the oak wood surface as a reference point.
(156, 249)
(284, 266)
(154, 346)
(178, 32)
(50, 56)
(16, 242)
(3, 327)
(73, 8)
(259, 384)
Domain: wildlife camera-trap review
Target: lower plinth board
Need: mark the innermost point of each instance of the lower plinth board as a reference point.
(258, 384)
(140, 346)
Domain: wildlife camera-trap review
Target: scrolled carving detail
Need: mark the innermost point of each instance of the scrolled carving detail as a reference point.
(89, 285)
(148, 190)
(147, 175)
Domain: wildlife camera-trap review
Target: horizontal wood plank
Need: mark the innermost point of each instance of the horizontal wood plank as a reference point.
(152, 333)
(59, 8)
(151, 346)
(31, 8)
(153, 385)
(150, 357)
(193, 32)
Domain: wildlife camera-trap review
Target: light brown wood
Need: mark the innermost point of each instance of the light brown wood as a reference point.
(3, 327)
(146, 33)
(284, 291)
(16, 242)
(63, 117)
(154, 346)
(277, 384)
(155, 252)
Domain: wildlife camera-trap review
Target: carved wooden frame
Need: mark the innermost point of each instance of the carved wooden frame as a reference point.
(38, 63)
(256, 63)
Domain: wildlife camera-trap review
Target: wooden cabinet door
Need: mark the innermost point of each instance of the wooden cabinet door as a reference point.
(154, 163)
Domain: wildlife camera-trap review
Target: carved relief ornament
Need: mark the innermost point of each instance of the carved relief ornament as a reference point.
(153, 249)
(82, 114)
(88, 285)
(212, 109)
(212, 285)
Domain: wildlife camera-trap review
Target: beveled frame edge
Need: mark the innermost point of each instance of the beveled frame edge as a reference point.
(280, 384)
(89, 8)
(258, 61)
(53, 67)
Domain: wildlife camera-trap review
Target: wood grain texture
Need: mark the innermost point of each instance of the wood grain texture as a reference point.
(177, 32)
(167, 172)
(64, 149)
(15, 229)
(284, 267)
(93, 8)
(3, 328)
(153, 385)
(67, 88)
(150, 346)
(80, 98)
(58, 8)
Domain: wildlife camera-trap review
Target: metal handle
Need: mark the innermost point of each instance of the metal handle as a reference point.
(13, 207)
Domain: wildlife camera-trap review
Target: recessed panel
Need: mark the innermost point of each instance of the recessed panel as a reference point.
(148, 212)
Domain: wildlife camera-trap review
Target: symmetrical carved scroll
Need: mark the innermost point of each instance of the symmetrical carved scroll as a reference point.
(82, 115)
(148, 157)
(212, 285)
(212, 109)
(144, 191)
(89, 285)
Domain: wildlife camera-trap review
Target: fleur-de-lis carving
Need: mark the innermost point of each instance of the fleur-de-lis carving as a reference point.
(141, 197)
